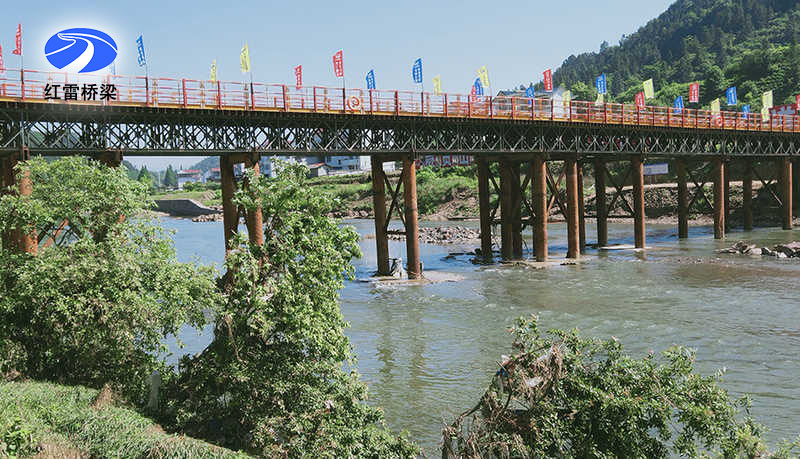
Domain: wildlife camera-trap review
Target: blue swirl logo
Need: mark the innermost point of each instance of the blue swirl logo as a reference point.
(67, 46)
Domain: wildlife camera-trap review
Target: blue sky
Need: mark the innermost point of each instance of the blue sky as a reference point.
(516, 40)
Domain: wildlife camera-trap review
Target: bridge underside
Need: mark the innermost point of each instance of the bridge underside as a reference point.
(61, 129)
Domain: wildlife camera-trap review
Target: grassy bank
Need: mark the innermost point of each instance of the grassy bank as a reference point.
(50, 420)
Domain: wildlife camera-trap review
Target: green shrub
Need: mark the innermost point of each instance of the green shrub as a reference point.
(272, 379)
(561, 395)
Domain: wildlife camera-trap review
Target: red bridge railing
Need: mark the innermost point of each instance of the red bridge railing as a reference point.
(29, 86)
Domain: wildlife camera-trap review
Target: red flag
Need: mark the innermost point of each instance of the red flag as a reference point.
(473, 94)
(298, 73)
(640, 99)
(694, 93)
(18, 50)
(797, 98)
(338, 64)
(3, 67)
(548, 80)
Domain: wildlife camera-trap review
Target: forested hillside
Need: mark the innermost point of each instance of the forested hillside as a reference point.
(750, 44)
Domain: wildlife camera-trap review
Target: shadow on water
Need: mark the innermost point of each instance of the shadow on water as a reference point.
(427, 352)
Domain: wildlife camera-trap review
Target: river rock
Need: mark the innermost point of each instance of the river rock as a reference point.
(754, 251)
(443, 235)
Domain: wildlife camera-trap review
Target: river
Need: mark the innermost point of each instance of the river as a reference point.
(428, 352)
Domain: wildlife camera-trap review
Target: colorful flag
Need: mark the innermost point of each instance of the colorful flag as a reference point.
(601, 85)
(338, 64)
(483, 74)
(640, 99)
(213, 76)
(679, 104)
(715, 106)
(548, 80)
(437, 85)
(766, 100)
(746, 111)
(600, 99)
(140, 58)
(649, 90)
(18, 40)
(3, 67)
(694, 93)
(730, 94)
(530, 92)
(478, 86)
(416, 71)
(298, 75)
(244, 59)
(566, 97)
(371, 79)
(796, 106)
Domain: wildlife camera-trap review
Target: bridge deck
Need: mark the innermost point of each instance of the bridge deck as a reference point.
(139, 91)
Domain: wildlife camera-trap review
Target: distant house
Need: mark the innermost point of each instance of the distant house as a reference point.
(189, 176)
(213, 175)
(353, 164)
(317, 169)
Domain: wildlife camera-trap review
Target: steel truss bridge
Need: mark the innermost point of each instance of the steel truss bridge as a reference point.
(242, 121)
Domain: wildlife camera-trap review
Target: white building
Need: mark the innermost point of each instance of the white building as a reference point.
(189, 176)
(352, 164)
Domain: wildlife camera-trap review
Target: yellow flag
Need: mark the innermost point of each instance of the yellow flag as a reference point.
(437, 85)
(244, 59)
(766, 99)
(715, 106)
(483, 74)
(214, 70)
(765, 113)
(649, 90)
(599, 100)
(566, 97)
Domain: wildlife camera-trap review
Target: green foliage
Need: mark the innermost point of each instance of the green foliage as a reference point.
(561, 395)
(272, 379)
(170, 177)
(201, 186)
(60, 420)
(439, 185)
(96, 306)
(720, 43)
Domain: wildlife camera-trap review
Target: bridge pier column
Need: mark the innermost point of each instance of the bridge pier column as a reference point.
(638, 202)
(18, 240)
(573, 233)
(727, 195)
(412, 225)
(379, 209)
(483, 203)
(581, 211)
(786, 196)
(506, 210)
(719, 198)
(255, 218)
(683, 200)
(539, 186)
(600, 202)
(230, 213)
(747, 195)
(516, 215)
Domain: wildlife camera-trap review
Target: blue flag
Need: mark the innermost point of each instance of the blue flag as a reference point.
(530, 92)
(679, 104)
(746, 111)
(140, 48)
(371, 79)
(416, 71)
(731, 94)
(478, 87)
(602, 88)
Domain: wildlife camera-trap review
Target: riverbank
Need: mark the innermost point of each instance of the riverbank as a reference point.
(43, 419)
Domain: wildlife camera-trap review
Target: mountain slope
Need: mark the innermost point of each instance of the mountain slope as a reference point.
(751, 44)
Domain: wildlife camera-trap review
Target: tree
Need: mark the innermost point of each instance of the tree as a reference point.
(95, 306)
(561, 395)
(170, 177)
(272, 379)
